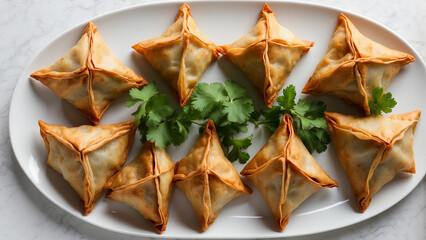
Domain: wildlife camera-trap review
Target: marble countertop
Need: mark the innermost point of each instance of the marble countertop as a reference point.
(26, 26)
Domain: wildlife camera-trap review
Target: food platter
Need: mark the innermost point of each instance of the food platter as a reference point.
(247, 216)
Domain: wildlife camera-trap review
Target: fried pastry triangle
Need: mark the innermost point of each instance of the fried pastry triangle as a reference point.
(208, 178)
(146, 185)
(88, 156)
(267, 54)
(285, 172)
(180, 55)
(354, 65)
(373, 150)
(89, 76)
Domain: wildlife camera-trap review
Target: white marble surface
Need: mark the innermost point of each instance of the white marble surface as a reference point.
(26, 26)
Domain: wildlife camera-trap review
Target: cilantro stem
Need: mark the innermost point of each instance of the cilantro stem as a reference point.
(199, 124)
(294, 114)
(258, 123)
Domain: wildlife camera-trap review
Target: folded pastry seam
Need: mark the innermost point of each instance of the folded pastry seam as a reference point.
(89, 76)
(208, 178)
(146, 185)
(354, 65)
(181, 55)
(87, 156)
(285, 173)
(372, 150)
(267, 54)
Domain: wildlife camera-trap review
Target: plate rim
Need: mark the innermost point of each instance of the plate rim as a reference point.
(322, 6)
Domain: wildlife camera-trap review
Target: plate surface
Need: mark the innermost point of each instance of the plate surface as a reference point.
(223, 23)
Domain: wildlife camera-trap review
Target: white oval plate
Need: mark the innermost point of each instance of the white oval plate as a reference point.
(223, 22)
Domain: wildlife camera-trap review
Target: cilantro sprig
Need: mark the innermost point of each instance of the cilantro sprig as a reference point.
(230, 108)
(381, 102)
(308, 118)
(156, 119)
(226, 104)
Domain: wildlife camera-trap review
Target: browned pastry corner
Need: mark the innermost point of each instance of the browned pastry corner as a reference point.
(208, 178)
(354, 65)
(89, 76)
(180, 55)
(373, 150)
(87, 156)
(267, 54)
(285, 173)
(146, 185)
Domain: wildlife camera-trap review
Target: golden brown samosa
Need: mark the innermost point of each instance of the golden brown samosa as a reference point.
(88, 156)
(180, 55)
(354, 65)
(373, 150)
(146, 185)
(285, 172)
(267, 54)
(208, 178)
(89, 76)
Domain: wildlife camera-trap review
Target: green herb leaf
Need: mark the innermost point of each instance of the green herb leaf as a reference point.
(157, 121)
(143, 94)
(236, 146)
(228, 107)
(306, 122)
(381, 102)
(308, 139)
(179, 133)
(231, 129)
(226, 104)
(160, 134)
(308, 119)
(207, 98)
(302, 107)
(314, 139)
(287, 99)
(139, 113)
(158, 109)
(238, 110)
(273, 113)
(234, 90)
(316, 110)
(255, 115)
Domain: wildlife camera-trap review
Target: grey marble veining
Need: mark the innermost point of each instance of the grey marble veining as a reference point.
(26, 26)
